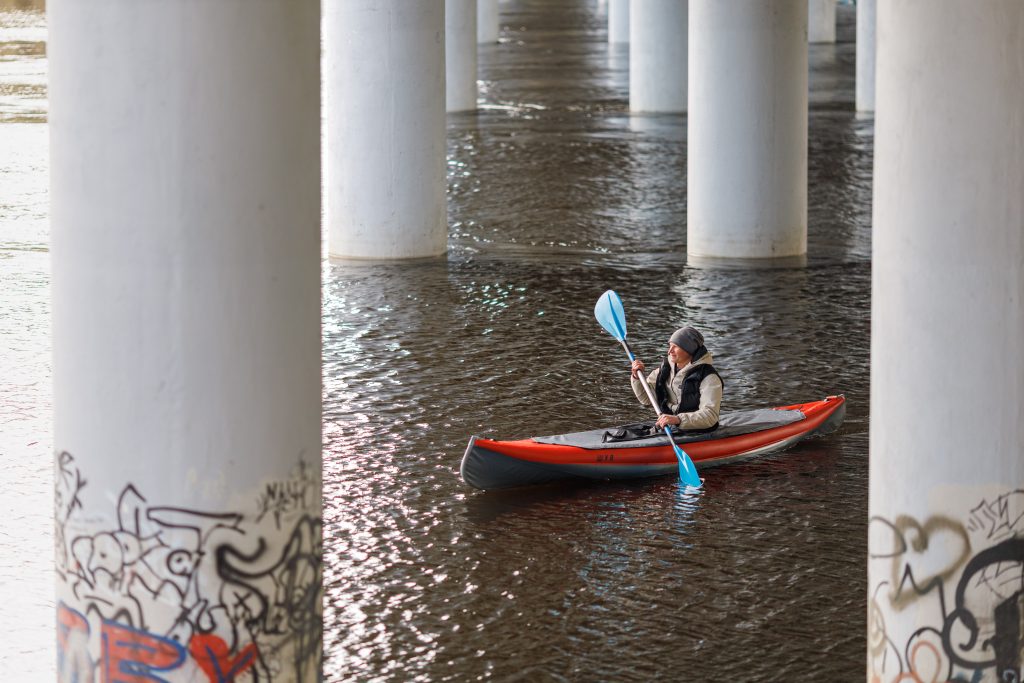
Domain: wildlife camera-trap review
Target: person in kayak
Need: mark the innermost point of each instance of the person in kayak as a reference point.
(687, 386)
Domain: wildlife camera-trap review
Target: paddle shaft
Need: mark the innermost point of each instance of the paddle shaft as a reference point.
(612, 317)
(643, 381)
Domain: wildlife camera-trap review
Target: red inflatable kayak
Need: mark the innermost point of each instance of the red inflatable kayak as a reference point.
(611, 454)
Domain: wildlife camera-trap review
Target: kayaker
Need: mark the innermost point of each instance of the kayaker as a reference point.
(687, 386)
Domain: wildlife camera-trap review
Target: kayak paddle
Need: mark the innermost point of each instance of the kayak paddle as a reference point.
(612, 317)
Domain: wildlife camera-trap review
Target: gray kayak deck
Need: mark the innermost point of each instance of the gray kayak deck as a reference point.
(729, 424)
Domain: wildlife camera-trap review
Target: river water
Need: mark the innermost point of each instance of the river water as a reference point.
(556, 193)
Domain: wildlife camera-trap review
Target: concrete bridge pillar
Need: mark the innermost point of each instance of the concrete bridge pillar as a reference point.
(618, 21)
(384, 85)
(747, 156)
(657, 56)
(946, 535)
(460, 41)
(185, 227)
(821, 21)
(865, 84)
(488, 21)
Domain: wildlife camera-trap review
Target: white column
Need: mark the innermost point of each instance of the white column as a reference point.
(865, 88)
(385, 116)
(185, 213)
(747, 156)
(488, 21)
(460, 39)
(657, 56)
(821, 21)
(618, 21)
(947, 348)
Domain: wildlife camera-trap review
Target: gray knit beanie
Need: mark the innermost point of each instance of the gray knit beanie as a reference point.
(688, 339)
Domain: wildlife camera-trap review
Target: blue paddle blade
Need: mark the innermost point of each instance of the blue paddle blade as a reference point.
(610, 314)
(687, 470)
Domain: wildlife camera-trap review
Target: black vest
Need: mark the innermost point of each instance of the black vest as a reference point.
(690, 400)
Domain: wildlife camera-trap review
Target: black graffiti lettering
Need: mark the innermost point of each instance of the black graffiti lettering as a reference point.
(283, 588)
(1002, 517)
(68, 483)
(984, 571)
(283, 498)
(982, 633)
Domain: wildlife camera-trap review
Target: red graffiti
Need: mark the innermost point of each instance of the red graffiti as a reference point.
(69, 620)
(211, 653)
(133, 656)
(73, 661)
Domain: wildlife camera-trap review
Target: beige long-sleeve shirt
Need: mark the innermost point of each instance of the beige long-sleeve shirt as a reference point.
(706, 415)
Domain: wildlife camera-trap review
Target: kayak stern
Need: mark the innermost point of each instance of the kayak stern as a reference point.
(487, 469)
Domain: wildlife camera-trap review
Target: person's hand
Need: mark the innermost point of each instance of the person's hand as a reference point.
(638, 366)
(671, 420)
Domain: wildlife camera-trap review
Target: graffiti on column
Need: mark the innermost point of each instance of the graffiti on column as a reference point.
(964, 579)
(281, 498)
(159, 592)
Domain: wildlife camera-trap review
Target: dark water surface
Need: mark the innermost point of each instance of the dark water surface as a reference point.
(556, 194)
